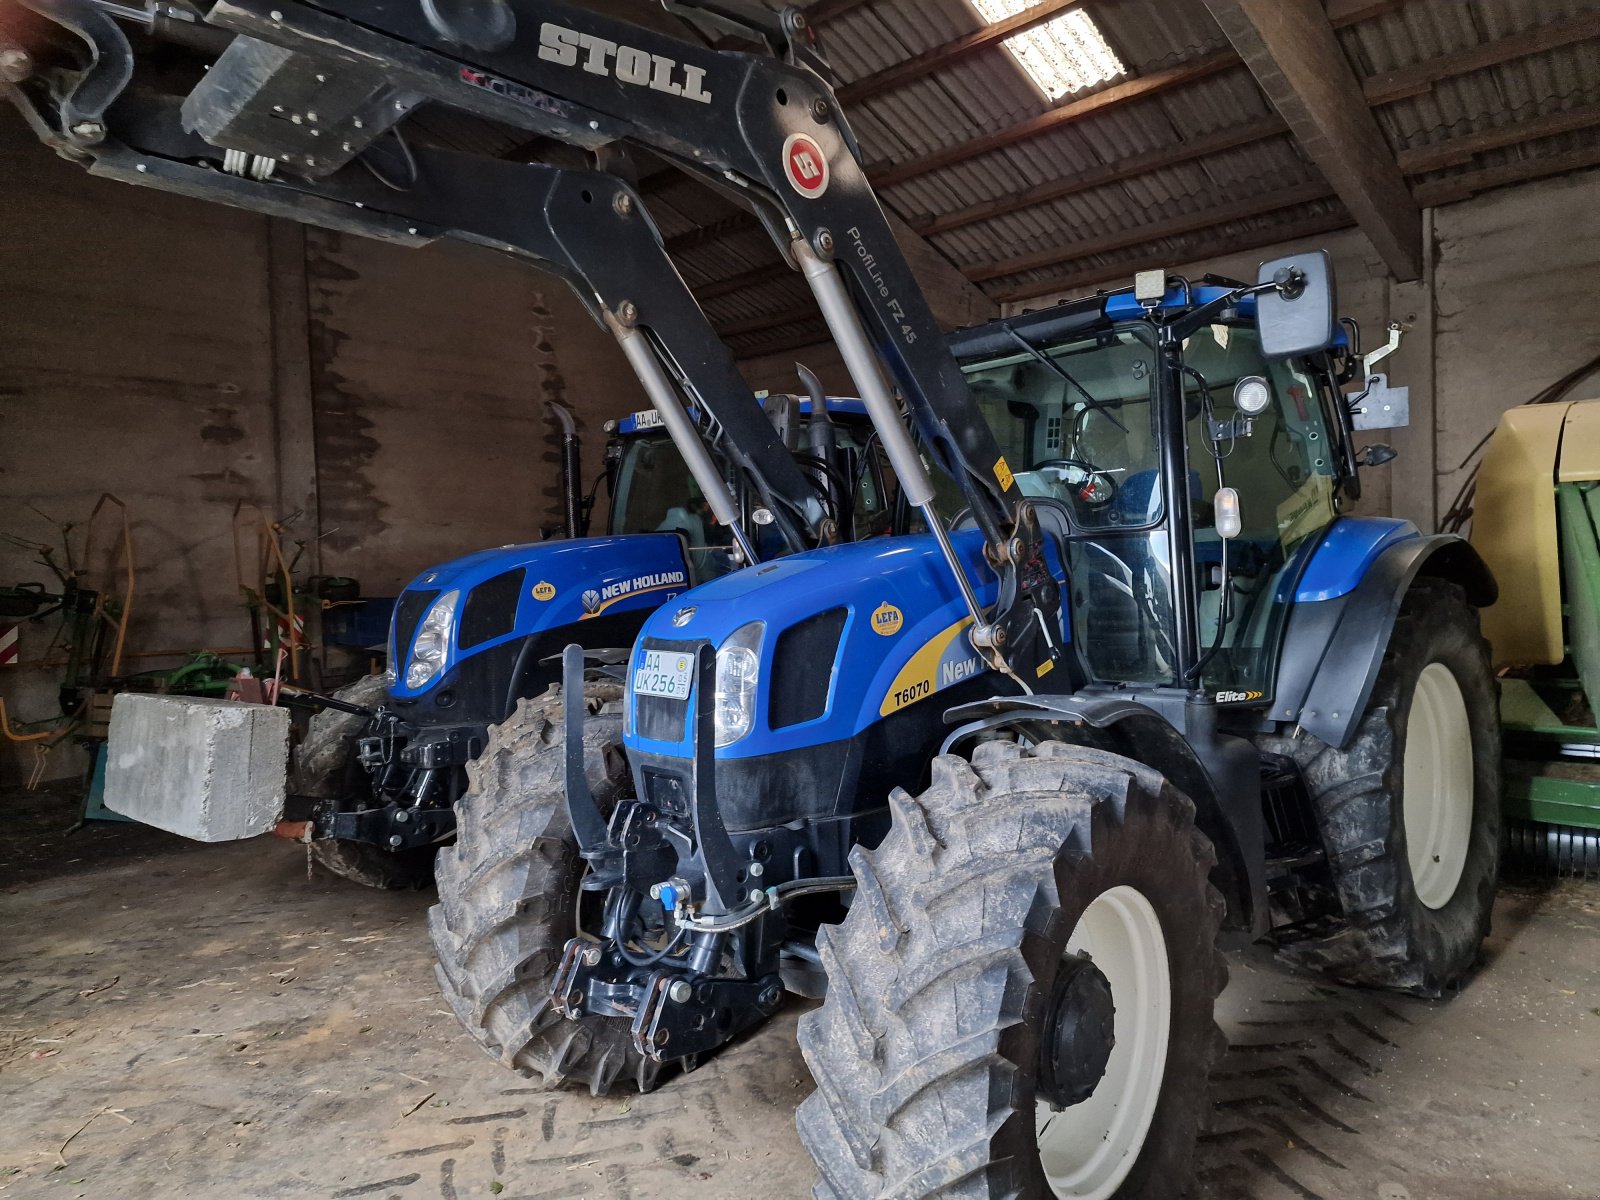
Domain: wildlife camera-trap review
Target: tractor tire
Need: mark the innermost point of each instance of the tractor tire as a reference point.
(508, 897)
(1409, 811)
(325, 766)
(946, 984)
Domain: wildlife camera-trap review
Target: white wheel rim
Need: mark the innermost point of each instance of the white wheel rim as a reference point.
(1087, 1150)
(1437, 786)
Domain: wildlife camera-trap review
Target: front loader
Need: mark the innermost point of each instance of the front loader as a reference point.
(1129, 677)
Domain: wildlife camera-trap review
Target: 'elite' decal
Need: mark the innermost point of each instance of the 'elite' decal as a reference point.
(1235, 697)
(887, 619)
(806, 166)
(544, 590)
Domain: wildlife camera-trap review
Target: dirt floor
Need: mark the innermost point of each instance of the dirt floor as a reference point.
(182, 1022)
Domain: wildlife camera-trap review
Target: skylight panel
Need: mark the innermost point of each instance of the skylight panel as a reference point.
(1064, 55)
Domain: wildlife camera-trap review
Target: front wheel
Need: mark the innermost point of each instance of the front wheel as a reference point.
(1020, 998)
(509, 897)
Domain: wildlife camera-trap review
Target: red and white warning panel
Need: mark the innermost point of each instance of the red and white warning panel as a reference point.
(10, 647)
(806, 166)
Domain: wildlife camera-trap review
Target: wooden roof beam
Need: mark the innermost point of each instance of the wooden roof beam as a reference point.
(1076, 282)
(920, 65)
(1238, 210)
(1116, 171)
(1291, 49)
(1418, 78)
(1455, 151)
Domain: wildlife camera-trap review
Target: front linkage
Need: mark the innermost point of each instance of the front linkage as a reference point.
(705, 922)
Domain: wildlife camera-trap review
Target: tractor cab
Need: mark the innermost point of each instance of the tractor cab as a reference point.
(1192, 473)
(653, 490)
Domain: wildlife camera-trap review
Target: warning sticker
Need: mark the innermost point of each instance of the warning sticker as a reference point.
(1002, 472)
(805, 165)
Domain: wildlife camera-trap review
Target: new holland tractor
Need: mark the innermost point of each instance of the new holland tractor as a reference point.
(1129, 677)
(475, 640)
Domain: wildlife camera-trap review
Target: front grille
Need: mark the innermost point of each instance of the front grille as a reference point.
(408, 614)
(491, 609)
(799, 684)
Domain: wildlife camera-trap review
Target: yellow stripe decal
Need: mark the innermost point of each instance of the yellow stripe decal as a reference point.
(660, 587)
(920, 676)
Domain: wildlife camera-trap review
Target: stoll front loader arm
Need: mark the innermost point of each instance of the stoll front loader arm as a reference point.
(764, 128)
(587, 227)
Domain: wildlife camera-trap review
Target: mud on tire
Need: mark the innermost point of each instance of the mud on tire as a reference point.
(325, 766)
(508, 897)
(926, 1052)
(1388, 937)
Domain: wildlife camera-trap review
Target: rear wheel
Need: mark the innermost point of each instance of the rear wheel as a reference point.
(508, 897)
(1020, 999)
(1409, 812)
(325, 766)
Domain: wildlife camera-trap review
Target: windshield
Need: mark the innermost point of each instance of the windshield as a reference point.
(656, 493)
(1079, 424)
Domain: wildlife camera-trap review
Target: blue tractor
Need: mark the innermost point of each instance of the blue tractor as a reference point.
(1267, 718)
(1129, 676)
(474, 640)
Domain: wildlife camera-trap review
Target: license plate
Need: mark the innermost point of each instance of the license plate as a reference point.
(664, 673)
(648, 419)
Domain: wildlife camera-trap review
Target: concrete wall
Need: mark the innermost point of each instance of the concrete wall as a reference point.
(188, 358)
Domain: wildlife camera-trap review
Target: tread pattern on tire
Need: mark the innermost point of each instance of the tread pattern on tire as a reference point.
(322, 767)
(1379, 942)
(507, 897)
(929, 978)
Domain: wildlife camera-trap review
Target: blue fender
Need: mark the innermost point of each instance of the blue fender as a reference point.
(1345, 609)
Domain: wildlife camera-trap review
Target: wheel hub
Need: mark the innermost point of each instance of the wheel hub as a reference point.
(1079, 1033)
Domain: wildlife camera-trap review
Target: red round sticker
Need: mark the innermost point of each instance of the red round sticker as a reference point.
(806, 166)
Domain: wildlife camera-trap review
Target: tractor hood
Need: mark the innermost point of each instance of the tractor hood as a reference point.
(513, 592)
(853, 634)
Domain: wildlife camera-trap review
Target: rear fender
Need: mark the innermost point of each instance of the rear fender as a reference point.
(1332, 649)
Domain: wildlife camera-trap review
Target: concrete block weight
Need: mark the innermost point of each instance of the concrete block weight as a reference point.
(210, 770)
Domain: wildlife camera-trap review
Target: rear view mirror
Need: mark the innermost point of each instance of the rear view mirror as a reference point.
(783, 411)
(1298, 314)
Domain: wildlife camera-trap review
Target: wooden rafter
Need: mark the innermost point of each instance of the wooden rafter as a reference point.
(1292, 51)
(1114, 172)
(1455, 151)
(1274, 200)
(1265, 235)
(1415, 80)
(1462, 187)
(941, 56)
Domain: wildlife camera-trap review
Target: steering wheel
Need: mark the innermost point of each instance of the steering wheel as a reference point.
(1090, 486)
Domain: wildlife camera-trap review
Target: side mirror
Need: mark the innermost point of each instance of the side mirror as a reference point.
(1298, 314)
(783, 411)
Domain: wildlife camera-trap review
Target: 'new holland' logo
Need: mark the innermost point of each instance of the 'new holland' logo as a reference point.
(601, 56)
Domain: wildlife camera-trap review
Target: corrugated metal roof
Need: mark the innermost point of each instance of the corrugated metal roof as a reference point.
(986, 93)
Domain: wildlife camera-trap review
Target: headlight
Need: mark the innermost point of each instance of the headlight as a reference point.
(738, 672)
(433, 639)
